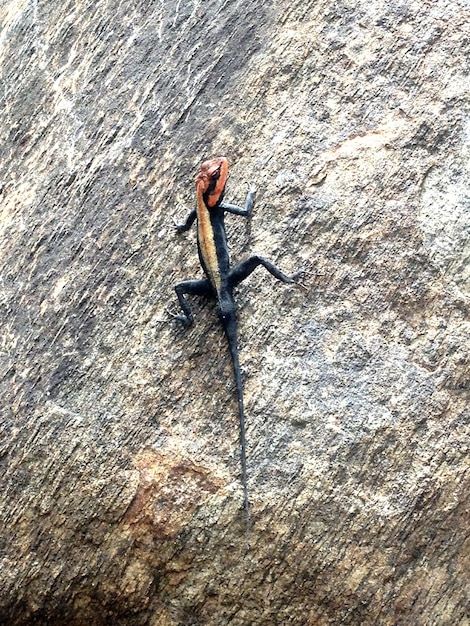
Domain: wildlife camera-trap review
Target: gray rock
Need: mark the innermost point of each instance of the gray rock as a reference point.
(120, 499)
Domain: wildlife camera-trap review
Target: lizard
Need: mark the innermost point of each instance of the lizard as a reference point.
(221, 278)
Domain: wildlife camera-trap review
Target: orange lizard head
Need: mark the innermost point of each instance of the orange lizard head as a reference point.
(210, 182)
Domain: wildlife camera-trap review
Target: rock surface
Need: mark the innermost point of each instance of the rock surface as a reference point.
(120, 492)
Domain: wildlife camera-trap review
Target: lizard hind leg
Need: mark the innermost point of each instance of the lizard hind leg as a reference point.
(245, 268)
(190, 288)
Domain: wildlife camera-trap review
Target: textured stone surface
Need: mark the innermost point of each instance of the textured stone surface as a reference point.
(120, 499)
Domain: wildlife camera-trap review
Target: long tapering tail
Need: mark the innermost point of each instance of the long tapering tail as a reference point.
(230, 327)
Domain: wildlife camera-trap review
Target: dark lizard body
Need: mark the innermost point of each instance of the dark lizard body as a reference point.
(221, 278)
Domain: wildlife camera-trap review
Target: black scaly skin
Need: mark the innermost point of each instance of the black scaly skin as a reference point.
(222, 279)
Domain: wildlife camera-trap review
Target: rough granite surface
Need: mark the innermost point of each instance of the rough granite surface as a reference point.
(120, 494)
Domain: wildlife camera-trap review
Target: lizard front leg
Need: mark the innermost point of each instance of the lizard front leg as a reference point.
(249, 203)
(181, 228)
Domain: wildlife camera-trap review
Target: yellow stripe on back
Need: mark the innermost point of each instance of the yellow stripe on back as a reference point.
(205, 235)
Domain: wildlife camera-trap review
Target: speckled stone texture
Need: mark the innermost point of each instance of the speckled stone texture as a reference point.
(120, 494)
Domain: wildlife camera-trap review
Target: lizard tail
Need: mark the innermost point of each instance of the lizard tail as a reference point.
(231, 333)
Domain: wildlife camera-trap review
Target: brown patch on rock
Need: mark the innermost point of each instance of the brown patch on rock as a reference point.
(171, 487)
